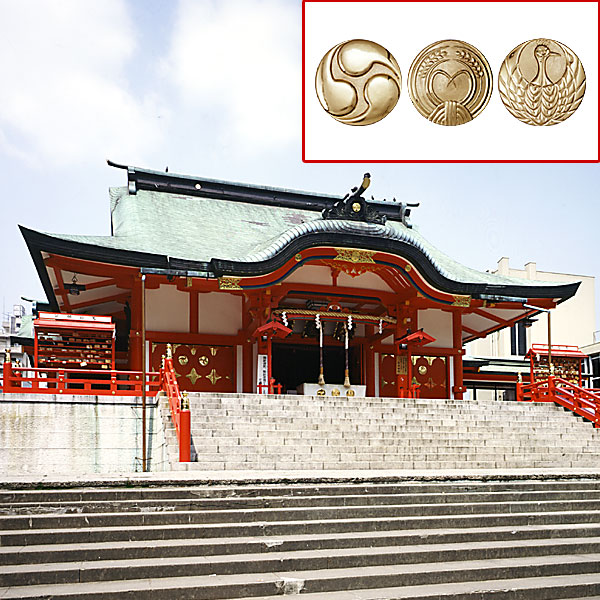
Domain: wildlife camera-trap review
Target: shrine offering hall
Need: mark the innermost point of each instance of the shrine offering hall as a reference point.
(266, 289)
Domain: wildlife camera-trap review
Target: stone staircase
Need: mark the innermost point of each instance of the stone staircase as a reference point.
(249, 431)
(354, 539)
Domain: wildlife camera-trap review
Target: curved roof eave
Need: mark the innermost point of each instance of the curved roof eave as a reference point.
(336, 233)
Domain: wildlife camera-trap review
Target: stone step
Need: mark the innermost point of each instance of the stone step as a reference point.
(301, 560)
(176, 504)
(318, 581)
(116, 550)
(187, 490)
(314, 512)
(113, 530)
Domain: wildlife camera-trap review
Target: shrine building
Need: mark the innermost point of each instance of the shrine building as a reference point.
(253, 285)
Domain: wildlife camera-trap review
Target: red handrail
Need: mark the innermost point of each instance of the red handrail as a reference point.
(582, 401)
(29, 380)
(180, 410)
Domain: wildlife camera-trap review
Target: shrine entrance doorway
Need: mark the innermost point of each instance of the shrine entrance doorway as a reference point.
(294, 364)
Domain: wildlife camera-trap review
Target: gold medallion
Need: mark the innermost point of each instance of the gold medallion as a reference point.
(335, 392)
(541, 82)
(358, 82)
(450, 82)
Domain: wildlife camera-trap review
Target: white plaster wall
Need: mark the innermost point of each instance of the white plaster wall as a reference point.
(219, 313)
(310, 274)
(366, 281)
(167, 309)
(437, 323)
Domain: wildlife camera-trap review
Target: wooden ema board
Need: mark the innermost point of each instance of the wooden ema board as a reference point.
(199, 368)
(74, 341)
(565, 367)
(429, 372)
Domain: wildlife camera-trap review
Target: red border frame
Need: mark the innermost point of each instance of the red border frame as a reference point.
(305, 160)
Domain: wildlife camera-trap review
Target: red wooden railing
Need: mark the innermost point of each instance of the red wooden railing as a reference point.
(27, 380)
(582, 401)
(180, 409)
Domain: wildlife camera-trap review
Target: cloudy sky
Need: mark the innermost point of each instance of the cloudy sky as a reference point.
(212, 88)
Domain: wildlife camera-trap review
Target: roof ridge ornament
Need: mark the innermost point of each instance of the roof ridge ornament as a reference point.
(354, 207)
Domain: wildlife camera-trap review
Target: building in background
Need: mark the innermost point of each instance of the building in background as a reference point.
(502, 353)
(11, 325)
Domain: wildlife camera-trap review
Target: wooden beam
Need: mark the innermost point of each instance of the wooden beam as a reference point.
(121, 297)
(61, 289)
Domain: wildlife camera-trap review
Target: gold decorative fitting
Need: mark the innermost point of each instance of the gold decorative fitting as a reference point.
(335, 392)
(213, 351)
(422, 369)
(213, 377)
(185, 401)
(183, 360)
(461, 301)
(169, 351)
(230, 283)
(321, 392)
(188, 282)
(408, 268)
(193, 350)
(356, 206)
(193, 376)
(7, 355)
(298, 257)
(350, 393)
(203, 360)
(354, 256)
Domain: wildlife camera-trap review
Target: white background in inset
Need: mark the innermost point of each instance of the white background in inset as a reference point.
(495, 28)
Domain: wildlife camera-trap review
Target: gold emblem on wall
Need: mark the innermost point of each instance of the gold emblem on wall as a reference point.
(321, 392)
(203, 360)
(335, 392)
(422, 369)
(213, 377)
(350, 393)
(193, 376)
(183, 360)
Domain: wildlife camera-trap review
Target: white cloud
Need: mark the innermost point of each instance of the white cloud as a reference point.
(64, 97)
(240, 62)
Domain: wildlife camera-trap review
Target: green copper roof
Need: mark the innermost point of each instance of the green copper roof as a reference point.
(199, 229)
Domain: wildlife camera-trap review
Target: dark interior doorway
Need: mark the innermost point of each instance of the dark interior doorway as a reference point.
(294, 364)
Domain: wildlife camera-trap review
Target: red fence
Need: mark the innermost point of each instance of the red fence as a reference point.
(582, 401)
(26, 380)
(180, 410)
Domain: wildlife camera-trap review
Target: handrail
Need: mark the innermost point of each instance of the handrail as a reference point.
(96, 382)
(582, 401)
(180, 409)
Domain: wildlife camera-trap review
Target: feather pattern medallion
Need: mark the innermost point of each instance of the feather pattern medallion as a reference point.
(542, 82)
